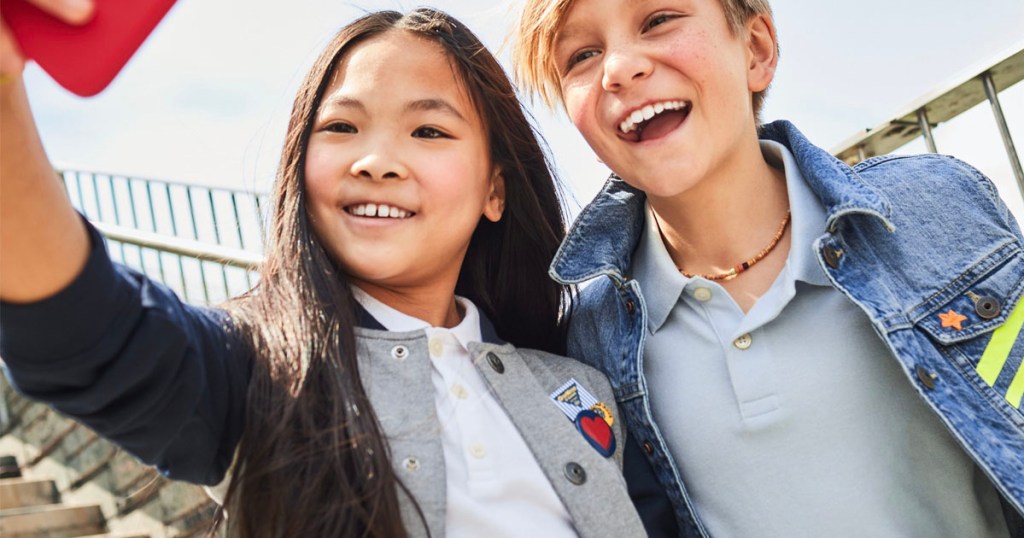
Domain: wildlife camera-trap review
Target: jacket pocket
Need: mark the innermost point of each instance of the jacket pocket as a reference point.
(977, 323)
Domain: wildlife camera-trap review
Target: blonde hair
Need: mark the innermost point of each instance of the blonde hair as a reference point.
(541, 20)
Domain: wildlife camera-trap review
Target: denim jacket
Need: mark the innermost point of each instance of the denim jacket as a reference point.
(906, 238)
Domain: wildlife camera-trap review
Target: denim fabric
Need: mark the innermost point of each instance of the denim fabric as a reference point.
(912, 237)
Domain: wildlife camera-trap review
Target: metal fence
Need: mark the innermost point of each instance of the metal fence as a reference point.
(942, 105)
(203, 242)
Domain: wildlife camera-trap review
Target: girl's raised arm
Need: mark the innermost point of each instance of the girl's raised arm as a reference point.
(43, 244)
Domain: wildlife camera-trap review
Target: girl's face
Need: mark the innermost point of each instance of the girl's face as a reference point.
(398, 171)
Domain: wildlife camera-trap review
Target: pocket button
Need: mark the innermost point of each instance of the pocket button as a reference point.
(988, 307)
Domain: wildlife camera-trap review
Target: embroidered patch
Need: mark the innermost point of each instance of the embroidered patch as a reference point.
(952, 319)
(606, 412)
(593, 419)
(572, 398)
(596, 431)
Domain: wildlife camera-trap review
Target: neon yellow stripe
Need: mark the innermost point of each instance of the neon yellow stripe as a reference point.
(998, 349)
(1016, 392)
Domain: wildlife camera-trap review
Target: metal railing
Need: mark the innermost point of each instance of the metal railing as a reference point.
(941, 106)
(203, 242)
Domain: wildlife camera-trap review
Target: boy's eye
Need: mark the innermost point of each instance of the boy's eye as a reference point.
(429, 132)
(657, 20)
(578, 57)
(340, 127)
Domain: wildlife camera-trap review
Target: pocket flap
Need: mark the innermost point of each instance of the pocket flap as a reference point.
(976, 307)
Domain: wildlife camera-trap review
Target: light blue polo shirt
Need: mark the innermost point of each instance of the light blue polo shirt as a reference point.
(794, 419)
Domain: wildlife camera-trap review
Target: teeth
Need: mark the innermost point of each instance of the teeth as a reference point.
(648, 112)
(379, 211)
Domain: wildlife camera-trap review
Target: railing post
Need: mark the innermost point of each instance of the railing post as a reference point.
(1004, 130)
(926, 129)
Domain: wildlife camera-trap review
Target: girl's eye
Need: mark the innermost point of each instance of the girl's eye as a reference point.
(340, 127)
(657, 20)
(581, 56)
(429, 132)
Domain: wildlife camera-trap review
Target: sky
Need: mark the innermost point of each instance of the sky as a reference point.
(207, 97)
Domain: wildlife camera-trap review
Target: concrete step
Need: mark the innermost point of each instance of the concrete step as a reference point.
(52, 521)
(22, 492)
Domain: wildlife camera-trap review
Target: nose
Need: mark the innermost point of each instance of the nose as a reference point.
(623, 67)
(378, 165)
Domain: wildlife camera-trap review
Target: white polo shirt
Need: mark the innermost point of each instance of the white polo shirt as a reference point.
(793, 419)
(494, 485)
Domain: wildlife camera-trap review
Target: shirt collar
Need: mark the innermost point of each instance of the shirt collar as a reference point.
(654, 269)
(807, 213)
(468, 330)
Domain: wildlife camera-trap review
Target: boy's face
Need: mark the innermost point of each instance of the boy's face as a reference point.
(661, 89)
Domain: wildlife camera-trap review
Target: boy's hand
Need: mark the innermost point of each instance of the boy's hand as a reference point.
(12, 63)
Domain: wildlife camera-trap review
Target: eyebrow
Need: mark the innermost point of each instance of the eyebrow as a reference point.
(439, 105)
(419, 105)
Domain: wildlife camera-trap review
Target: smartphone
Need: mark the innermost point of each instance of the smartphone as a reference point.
(84, 59)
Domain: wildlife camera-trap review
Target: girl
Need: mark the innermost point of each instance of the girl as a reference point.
(364, 386)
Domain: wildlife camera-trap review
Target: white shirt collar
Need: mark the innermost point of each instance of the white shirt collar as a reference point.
(468, 330)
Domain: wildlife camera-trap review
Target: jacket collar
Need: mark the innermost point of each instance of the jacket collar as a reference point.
(604, 236)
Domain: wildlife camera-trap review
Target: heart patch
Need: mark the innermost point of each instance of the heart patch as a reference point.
(596, 431)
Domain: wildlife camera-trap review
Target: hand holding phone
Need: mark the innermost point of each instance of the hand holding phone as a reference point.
(83, 58)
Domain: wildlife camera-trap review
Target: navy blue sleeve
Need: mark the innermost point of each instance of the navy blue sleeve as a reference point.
(123, 355)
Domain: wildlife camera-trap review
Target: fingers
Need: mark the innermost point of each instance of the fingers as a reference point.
(69, 11)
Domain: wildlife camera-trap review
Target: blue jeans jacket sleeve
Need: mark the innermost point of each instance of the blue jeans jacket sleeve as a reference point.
(124, 356)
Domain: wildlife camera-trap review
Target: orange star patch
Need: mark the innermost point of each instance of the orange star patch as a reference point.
(952, 319)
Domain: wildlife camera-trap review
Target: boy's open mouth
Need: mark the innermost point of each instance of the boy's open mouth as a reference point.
(654, 120)
(381, 211)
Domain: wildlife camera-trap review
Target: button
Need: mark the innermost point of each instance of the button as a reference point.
(400, 352)
(478, 451)
(832, 255)
(630, 306)
(988, 307)
(459, 391)
(648, 448)
(743, 342)
(575, 473)
(927, 378)
(436, 346)
(411, 464)
(495, 363)
(702, 294)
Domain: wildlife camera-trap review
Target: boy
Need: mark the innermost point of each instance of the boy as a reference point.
(799, 348)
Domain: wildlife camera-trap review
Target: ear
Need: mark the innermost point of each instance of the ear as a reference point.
(762, 52)
(495, 204)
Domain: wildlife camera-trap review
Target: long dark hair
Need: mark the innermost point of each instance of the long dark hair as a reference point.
(312, 460)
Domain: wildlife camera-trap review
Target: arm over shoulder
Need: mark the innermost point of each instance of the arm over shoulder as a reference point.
(123, 355)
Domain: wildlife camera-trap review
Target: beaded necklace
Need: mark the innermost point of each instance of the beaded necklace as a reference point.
(735, 271)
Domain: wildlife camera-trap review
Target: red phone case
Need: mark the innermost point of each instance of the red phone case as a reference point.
(84, 59)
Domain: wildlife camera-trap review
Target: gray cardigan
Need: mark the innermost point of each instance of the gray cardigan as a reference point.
(521, 380)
